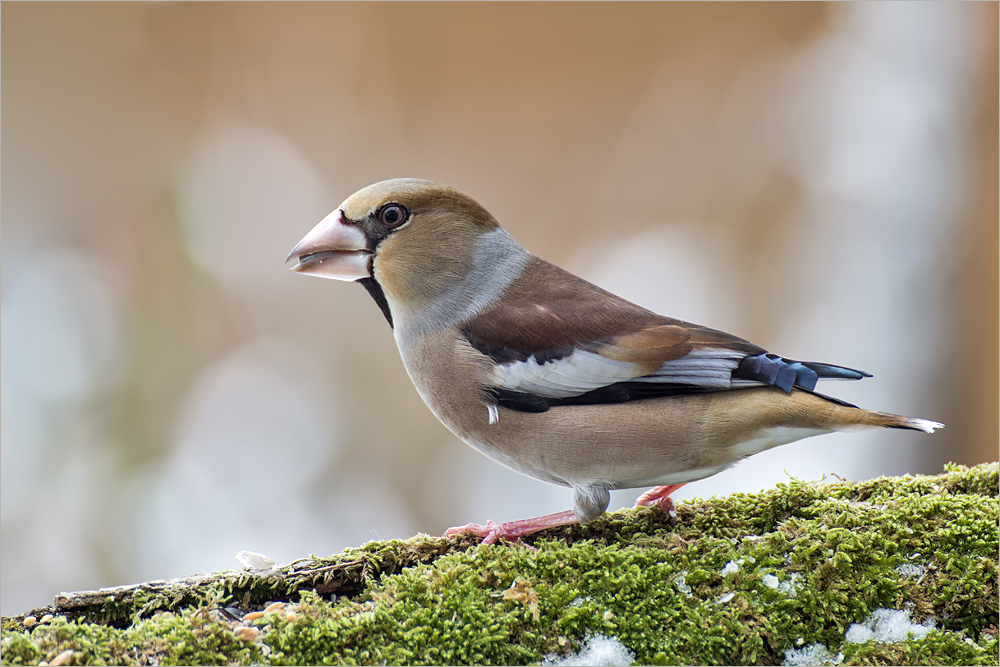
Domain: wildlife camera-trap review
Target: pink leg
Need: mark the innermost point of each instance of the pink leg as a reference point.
(659, 496)
(513, 531)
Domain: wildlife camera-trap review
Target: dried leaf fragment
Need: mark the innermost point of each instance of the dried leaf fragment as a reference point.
(521, 591)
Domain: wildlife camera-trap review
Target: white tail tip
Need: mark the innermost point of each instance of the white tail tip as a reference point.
(925, 425)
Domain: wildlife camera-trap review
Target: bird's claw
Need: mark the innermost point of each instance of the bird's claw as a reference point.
(660, 497)
(490, 533)
(513, 531)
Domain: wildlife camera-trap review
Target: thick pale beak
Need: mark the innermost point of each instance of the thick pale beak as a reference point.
(333, 250)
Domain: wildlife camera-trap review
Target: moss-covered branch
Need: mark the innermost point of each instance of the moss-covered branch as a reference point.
(747, 579)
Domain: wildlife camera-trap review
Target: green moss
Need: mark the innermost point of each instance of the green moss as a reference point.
(927, 651)
(805, 562)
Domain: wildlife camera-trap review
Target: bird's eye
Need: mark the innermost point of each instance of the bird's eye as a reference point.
(392, 215)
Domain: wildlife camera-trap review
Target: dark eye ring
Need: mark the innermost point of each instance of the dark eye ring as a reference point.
(392, 215)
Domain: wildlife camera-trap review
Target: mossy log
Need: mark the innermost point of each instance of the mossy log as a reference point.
(746, 579)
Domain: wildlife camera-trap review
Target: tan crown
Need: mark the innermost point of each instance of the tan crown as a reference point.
(420, 197)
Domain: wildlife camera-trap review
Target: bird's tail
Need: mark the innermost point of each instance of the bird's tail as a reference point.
(888, 420)
(810, 410)
(848, 416)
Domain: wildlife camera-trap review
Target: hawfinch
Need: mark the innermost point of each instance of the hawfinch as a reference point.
(554, 377)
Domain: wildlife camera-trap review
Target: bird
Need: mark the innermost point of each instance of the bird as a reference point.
(557, 378)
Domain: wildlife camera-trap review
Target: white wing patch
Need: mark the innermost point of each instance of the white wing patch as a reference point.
(494, 412)
(584, 371)
(572, 375)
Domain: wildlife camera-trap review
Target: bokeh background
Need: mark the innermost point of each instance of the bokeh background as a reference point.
(818, 178)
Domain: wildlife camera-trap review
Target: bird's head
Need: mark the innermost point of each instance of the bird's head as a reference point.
(415, 241)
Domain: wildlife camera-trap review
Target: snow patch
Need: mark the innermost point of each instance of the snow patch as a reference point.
(733, 566)
(680, 580)
(815, 654)
(789, 588)
(598, 650)
(887, 626)
(911, 570)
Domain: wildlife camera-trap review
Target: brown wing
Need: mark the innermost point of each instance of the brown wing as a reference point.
(549, 312)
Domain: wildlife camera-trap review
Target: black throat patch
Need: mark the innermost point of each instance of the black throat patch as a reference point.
(376, 291)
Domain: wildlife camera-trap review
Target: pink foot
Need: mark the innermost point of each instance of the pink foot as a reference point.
(659, 496)
(513, 531)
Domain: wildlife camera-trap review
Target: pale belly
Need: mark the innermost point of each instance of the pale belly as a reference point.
(655, 448)
(648, 442)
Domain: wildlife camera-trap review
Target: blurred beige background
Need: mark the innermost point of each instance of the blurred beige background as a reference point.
(819, 178)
